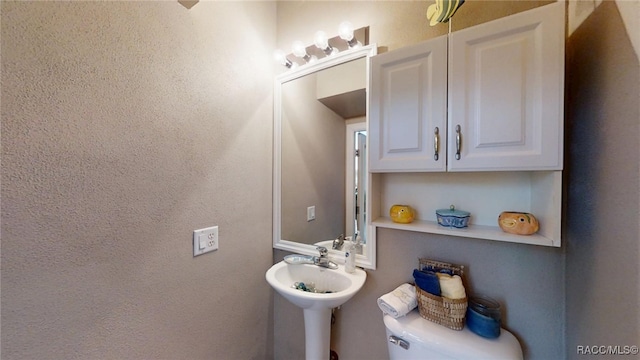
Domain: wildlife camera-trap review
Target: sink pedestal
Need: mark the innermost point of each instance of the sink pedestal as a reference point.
(317, 329)
(316, 306)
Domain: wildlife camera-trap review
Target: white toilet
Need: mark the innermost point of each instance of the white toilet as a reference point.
(412, 337)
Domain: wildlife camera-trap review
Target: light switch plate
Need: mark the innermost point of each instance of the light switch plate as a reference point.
(311, 213)
(205, 240)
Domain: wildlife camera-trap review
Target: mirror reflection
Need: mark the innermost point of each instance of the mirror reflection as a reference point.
(321, 138)
(316, 111)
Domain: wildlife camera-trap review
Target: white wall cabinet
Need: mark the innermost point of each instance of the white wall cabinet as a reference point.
(506, 86)
(505, 98)
(408, 111)
(499, 114)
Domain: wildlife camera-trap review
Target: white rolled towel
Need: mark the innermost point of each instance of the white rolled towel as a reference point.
(451, 286)
(399, 302)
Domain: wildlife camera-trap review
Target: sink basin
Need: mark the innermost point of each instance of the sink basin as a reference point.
(316, 306)
(342, 285)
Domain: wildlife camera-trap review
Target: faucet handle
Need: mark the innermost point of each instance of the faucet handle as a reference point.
(323, 251)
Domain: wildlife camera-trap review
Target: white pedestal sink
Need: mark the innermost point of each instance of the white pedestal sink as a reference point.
(316, 306)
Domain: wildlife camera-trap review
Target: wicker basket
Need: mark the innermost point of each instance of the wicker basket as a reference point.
(442, 310)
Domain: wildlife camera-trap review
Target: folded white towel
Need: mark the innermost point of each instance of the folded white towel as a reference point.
(451, 286)
(399, 302)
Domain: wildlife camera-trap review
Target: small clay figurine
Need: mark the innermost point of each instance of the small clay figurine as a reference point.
(520, 223)
(402, 214)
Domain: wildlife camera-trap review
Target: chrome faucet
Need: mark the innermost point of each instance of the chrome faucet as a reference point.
(338, 242)
(323, 259)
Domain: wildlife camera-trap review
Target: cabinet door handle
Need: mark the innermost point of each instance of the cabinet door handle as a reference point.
(436, 143)
(458, 142)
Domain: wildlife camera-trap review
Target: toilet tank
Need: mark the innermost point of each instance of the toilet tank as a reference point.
(412, 337)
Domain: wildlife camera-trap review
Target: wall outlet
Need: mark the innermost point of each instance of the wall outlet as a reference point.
(205, 240)
(311, 213)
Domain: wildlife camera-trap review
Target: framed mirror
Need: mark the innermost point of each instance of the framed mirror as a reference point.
(320, 161)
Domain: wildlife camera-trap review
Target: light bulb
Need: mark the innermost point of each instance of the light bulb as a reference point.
(345, 30)
(321, 40)
(299, 49)
(281, 58)
(346, 33)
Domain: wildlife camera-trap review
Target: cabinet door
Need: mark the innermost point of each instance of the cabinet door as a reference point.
(506, 86)
(407, 118)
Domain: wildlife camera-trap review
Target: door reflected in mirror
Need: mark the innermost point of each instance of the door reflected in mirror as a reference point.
(356, 179)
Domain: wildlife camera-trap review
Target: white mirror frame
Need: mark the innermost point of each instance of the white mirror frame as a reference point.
(367, 259)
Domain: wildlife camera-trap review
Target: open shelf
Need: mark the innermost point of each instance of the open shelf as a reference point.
(473, 231)
(485, 195)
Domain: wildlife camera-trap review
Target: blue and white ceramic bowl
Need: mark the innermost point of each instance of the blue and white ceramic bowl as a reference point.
(453, 218)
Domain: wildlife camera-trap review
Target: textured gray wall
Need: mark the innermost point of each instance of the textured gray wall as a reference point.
(603, 238)
(125, 126)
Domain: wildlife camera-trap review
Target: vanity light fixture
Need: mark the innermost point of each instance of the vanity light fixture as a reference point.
(322, 42)
(281, 58)
(345, 30)
(300, 51)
